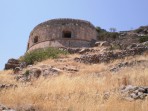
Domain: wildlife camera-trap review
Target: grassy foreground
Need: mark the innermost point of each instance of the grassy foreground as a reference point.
(81, 91)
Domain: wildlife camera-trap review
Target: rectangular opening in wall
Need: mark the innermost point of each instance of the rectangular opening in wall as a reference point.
(66, 34)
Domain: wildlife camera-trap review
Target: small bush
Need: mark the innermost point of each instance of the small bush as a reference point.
(143, 39)
(42, 54)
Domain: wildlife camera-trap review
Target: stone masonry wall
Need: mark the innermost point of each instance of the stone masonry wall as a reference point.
(53, 30)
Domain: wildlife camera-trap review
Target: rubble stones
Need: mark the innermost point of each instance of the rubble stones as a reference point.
(130, 92)
(27, 108)
(17, 70)
(36, 72)
(110, 55)
(84, 50)
(132, 46)
(20, 108)
(102, 43)
(6, 86)
(81, 50)
(145, 43)
(43, 71)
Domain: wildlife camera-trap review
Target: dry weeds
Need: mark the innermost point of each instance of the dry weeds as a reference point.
(82, 92)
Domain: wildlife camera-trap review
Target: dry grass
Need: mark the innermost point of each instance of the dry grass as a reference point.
(6, 77)
(83, 92)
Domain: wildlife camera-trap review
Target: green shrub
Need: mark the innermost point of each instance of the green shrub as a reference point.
(143, 39)
(42, 54)
(99, 30)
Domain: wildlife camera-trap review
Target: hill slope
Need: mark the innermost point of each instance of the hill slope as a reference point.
(64, 84)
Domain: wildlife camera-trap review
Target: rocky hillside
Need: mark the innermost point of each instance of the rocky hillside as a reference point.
(122, 39)
(87, 79)
(107, 77)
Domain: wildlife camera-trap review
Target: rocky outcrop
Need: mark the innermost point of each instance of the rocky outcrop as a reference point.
(130, 92)
(12, 64)
(45, 71)
(36, 72)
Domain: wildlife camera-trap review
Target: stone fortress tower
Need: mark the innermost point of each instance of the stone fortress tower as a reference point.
(62, 33)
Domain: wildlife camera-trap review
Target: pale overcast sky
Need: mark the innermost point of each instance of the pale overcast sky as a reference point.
(19, 17)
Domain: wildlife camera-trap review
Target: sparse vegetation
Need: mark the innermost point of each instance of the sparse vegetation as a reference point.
(143, 39)
(82, 92)
(65, 84)
(142, 30)
(42, 54)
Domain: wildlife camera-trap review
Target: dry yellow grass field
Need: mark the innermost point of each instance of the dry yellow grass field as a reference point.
(81, 91)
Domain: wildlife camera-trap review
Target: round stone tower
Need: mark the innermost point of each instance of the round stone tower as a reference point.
(62, 33)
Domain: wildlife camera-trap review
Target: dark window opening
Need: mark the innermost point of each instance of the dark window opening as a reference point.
(36, 39)
(66, 34)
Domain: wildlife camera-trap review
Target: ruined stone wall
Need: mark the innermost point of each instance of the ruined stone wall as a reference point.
(50, 34)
